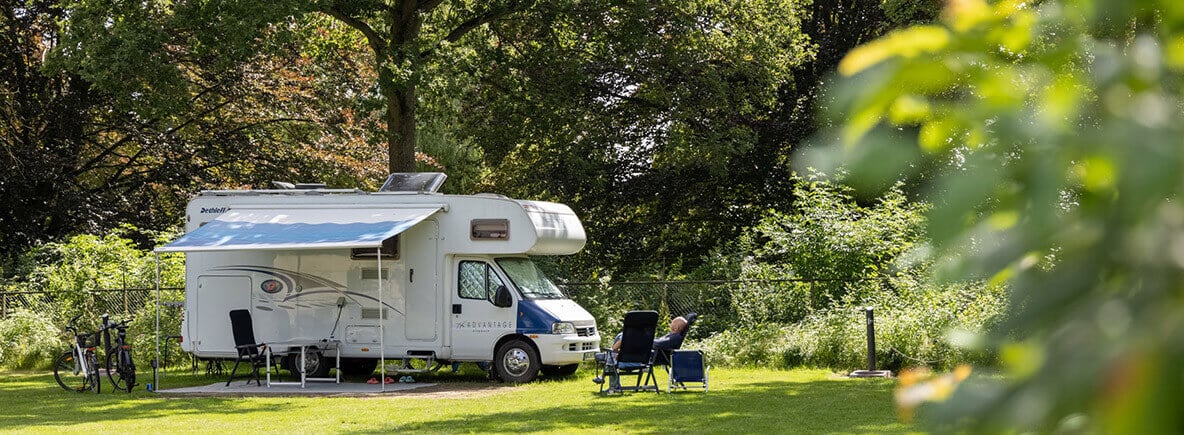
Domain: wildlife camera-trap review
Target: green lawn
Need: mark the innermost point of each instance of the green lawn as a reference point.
(744, 401)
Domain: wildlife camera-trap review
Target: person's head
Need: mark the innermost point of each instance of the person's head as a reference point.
(678, 325)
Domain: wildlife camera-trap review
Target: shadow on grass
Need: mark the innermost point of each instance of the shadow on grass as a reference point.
(36, 401)
(779, 407)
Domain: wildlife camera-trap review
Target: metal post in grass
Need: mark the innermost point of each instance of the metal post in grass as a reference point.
(871, 371)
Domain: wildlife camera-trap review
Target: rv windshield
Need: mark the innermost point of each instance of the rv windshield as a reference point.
(529, 279)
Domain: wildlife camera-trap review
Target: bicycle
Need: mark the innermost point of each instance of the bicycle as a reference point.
(120, 368)
(77, 369)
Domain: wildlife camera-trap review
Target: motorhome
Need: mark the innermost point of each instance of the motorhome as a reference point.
(401, 273)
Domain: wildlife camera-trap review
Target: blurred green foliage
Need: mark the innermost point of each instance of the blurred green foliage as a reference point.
(1054, 128)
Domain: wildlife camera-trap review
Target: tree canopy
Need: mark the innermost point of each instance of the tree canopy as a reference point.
(667, 125)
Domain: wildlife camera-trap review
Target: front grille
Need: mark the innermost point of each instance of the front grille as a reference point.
(586, 331)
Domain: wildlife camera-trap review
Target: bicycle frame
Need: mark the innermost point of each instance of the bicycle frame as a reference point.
(120, 367)
(80, 351)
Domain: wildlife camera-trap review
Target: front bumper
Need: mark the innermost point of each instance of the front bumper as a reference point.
(566, 349)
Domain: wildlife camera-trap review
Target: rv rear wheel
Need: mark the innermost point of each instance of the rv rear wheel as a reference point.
(517, 362)
(315, 364)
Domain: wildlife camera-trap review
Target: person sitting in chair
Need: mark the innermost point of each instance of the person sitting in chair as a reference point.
(663, 344)
(673, 340)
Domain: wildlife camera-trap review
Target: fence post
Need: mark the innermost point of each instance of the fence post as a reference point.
(871, 371)
(4, 305)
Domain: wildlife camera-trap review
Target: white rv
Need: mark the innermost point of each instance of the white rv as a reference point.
(399, 273)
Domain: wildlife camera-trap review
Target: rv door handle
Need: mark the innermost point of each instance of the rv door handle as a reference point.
(455, 308)
(412, 275)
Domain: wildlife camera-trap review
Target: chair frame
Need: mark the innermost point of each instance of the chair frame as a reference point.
(248, 348)
(636, 354)
(673, 372)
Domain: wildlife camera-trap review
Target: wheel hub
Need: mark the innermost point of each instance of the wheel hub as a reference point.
(517, 362)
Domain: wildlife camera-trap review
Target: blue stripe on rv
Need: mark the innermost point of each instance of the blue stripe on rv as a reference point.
(533, 319)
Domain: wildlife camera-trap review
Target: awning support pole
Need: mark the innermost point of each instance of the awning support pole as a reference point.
(381, 322)
(156, 362)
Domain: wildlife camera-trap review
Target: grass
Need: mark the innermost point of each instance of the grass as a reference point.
(740, 400)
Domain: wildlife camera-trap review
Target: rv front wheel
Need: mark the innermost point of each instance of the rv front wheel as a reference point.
(517, 362)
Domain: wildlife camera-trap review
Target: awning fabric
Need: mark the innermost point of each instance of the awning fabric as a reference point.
(319, 228)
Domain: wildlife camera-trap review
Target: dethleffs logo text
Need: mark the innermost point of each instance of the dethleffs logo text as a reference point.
(215, 210)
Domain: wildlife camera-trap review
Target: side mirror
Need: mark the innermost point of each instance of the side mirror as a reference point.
(502, 298)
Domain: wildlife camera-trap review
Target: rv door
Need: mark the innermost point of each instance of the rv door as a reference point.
(477, 321)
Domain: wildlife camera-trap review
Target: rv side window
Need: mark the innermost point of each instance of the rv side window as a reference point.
(489, 229)
(477, 280)
(390, 249)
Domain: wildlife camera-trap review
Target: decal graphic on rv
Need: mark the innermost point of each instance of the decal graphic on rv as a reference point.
(301, 284)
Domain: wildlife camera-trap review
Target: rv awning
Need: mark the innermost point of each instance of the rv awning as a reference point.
(314, 228)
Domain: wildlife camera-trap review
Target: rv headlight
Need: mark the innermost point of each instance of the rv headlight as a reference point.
(563, 328)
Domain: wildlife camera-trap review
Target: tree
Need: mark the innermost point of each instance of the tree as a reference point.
(85, 157)
(135, 49)
(1059, 123)
(669, 126)
(639, 114)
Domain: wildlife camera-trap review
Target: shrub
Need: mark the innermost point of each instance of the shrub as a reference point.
(29, 340)
(833, 239)
(748, 346)
(142, 332)
(913, 328)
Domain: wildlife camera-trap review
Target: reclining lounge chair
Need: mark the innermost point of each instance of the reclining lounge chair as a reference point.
(635, 357)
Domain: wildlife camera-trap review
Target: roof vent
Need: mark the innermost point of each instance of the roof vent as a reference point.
(421, 182)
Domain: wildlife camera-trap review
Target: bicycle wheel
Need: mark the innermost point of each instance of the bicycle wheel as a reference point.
(92, 363)
(120, 369)
(69, 375)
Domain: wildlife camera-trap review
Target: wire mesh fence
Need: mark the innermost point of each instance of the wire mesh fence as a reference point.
(117, 302)
(721, 305)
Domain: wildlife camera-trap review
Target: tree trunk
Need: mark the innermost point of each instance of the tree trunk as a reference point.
(400, 127)
(405, 23)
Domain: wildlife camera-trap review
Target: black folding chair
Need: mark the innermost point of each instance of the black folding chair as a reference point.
(635, 357)
(244, 342)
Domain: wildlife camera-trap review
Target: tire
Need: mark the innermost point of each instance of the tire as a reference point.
(358, 367)
(95, 380)
(120, 369)
(517, 362)
(68, 374)
(560, 371)
(315, 364)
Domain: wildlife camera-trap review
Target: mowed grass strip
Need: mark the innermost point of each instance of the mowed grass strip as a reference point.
(740, 401)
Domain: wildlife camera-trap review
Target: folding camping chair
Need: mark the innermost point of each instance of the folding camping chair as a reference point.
(635, 357)
(244, 341)
(687, 366)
